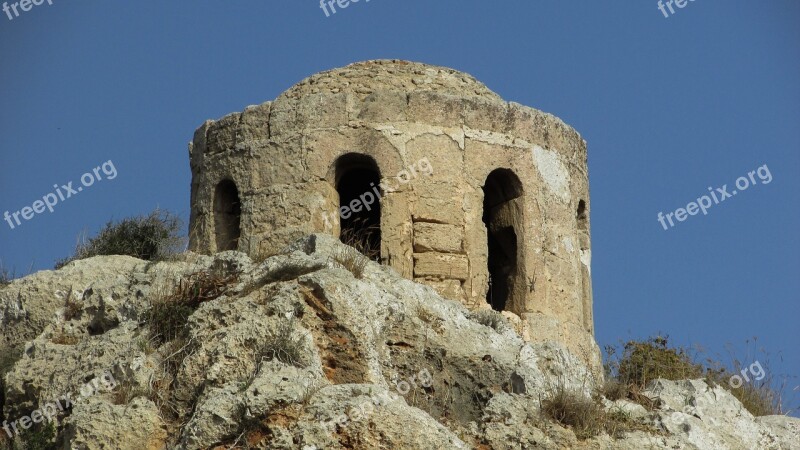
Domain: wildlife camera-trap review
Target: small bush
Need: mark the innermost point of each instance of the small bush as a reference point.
(759, 398)
(760, 389)
(573, 410)
(645, 361)
(151, 237)
(168, 319)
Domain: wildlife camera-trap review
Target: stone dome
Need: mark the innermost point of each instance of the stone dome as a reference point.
(364, 78)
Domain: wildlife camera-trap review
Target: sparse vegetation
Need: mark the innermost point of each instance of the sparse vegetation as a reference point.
(359, 250)
(586, 416)
(40, 437)
(282, 345)
(762, 394)
(351, 259)
(628, 372)
(644, 361)
(363, 237)
(7, 360)
(71, 307)
(169, 315)
(6, 276)
(575, 411)
(65, 339)
(613, 389)
(151, 237)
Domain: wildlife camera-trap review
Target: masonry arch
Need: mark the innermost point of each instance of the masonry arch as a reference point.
(227, 216)
(502, 215)
(357, 182)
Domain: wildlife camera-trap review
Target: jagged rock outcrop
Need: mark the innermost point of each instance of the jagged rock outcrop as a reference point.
(298, 353)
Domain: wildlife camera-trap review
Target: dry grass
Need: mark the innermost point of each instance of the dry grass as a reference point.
(358, 251)
(71, 307)
(613, 389)
(282, 345)
(6, 276)
(65, 339)
(575, 411)
(586, 416)
(351, 259)
(169, 315)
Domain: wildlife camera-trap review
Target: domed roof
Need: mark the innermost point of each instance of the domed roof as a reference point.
(364, 78)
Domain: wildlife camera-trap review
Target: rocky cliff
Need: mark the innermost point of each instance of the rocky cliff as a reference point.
(312, 348)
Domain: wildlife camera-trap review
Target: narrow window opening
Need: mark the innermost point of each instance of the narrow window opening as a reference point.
(583, 224)
(503, 220)
(227, 216)
(357, 182)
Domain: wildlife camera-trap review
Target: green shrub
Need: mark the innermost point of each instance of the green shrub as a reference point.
(151, 237)
(41, 437)
(645, 361)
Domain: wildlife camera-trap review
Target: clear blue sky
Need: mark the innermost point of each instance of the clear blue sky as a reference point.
(669, 107)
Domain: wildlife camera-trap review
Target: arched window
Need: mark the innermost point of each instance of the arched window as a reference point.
(357, 182)
(503, 219)
(227, 216)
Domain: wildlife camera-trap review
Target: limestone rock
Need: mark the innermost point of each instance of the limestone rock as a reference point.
(299, 353)
(97, 425)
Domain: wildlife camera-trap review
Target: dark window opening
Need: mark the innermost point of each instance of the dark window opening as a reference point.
(581, 216)
(357, 182)
(503, 221)
(227, 216)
